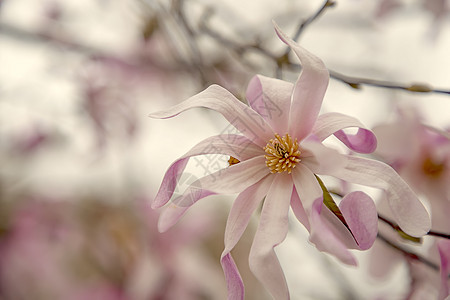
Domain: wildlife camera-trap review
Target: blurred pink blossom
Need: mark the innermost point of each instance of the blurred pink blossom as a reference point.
(94, 250)
(421, 155)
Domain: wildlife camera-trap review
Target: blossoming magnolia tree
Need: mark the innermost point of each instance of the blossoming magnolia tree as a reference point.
(276, 159)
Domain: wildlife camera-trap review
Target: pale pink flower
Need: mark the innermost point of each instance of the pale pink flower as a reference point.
(278, 155)
(421, 155)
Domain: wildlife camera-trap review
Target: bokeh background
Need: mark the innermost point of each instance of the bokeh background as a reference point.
(80, 160)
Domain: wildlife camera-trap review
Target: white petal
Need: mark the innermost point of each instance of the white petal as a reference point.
(271, 98)
(408, 211)
(235, 145)
(272, 230)
(309, 89)
(241, 116)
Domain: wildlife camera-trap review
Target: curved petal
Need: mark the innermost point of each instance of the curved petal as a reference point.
(411, 215)
(360, 213)
(307, 187)
(319, 158)
(235, 145)
(364, 141)
(298, 210)
(309, 89)
(238, 219)
(272, 230)
(395, 141)
(235, 284)
(233, 179)
(241, 116)
(325, 239)
(271, 98)
(444, 253)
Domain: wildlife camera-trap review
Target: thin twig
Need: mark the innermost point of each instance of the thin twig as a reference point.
(409, 254)
(283, 60)
(356, 82)
(196, 56)
(307, 22)
(396, 227)
(231, 45)
(439, 234)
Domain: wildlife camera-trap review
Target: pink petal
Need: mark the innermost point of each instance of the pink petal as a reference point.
(242, 117)
(235, 284)
(325, 239)
(444, 253)
(395, 141)
(271, 98)
(408, 211)
(235, 145)
(308, 91)
(238, 219)
(308, 189)
(272, 230)
(360, 213)
(233, 179)
(363, 141)
(242, 210)
(298, 210)
(319, 158)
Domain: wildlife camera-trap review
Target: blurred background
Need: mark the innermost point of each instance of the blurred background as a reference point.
(80, 160)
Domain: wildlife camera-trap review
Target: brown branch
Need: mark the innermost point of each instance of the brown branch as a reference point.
(397, 228)
(284, 60)
(356, 82)
(307, 22)
(408, 253)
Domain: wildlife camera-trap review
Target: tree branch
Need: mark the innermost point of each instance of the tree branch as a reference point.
(397, 228)
(356, 82)
(409, 254)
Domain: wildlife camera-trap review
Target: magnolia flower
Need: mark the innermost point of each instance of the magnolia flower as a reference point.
(421, 155)
(276, 157)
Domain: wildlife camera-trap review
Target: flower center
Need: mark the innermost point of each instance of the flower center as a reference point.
(432, 168)
(282, 154)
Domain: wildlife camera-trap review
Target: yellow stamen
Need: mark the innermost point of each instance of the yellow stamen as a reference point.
(283, 154)
(233, 161)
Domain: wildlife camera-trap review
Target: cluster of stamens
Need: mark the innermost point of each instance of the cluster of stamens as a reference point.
(282, 154)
